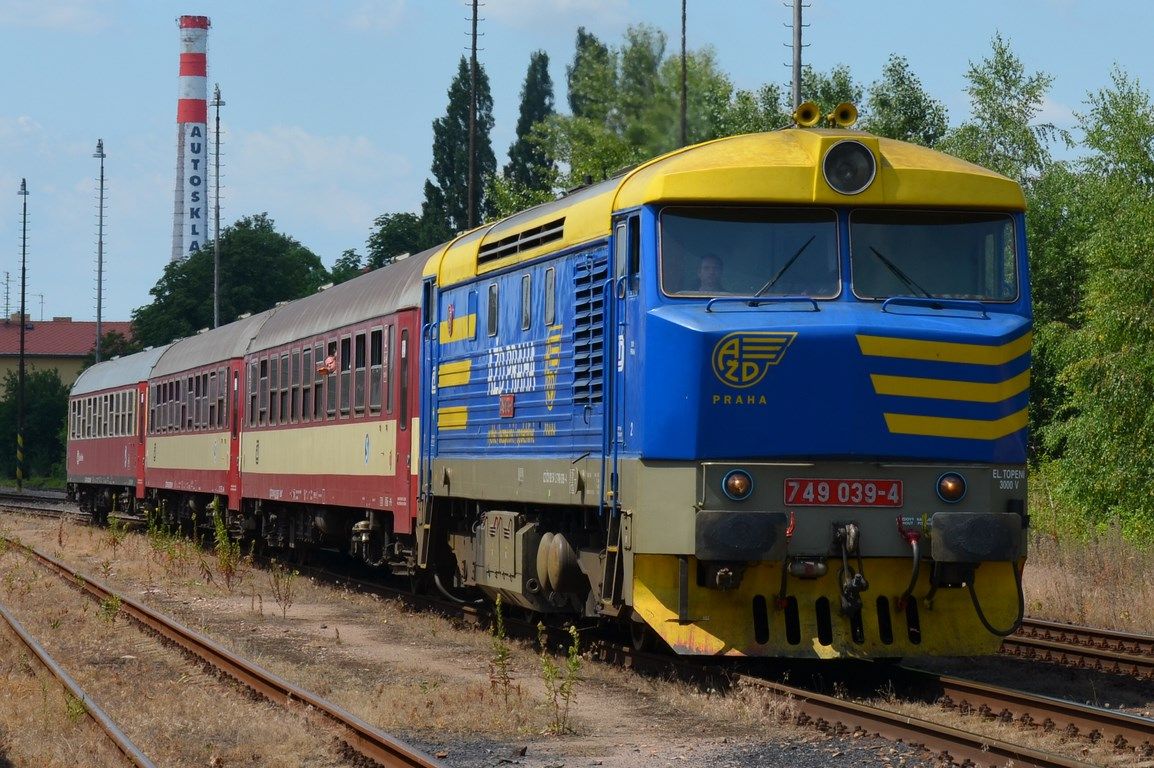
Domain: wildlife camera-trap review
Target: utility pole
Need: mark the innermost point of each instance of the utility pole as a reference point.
(684, 82)
(99, 250)
(217, 102)
(797, 53)
(473, 122)
(20, 391)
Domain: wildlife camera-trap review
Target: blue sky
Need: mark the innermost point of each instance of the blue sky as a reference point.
(329, 103)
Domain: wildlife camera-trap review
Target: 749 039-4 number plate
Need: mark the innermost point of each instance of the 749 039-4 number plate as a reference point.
(835, 492)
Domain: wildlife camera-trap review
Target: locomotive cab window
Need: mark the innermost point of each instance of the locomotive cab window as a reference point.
(719, 251)
(964, 255)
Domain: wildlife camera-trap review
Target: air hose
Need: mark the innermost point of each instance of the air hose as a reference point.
(1021, 606)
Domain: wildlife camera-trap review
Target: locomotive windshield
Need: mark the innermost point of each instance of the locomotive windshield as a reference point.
(749, 252)
(933, 254)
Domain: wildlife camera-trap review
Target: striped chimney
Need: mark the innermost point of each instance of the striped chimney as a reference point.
(190, 220)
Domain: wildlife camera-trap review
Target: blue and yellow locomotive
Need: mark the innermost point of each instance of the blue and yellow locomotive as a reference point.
(761, 396)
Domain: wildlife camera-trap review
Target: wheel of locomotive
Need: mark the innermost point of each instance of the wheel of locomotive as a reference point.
(641, 636)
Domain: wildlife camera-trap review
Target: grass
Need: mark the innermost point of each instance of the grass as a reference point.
(1085, 574)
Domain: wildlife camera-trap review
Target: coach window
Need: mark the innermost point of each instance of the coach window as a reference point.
(388, 353)
(295, 396)
(263, 418)
(284, 388)
(307, 375)
(319, 383)
(202, 406)
(493, 310)
(198, 408)
(212, 409)
(189, 402)
(526, 301)
(403, 415)
(359, 368)
(222, 395)
(331, 385)
(346, 367)
(252, 390)
(270, 390)
(376, 339)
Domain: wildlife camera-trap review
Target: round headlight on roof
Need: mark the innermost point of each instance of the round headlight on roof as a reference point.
(849, 167)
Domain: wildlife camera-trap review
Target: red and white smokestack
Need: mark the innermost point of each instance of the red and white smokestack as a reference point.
(189, 225)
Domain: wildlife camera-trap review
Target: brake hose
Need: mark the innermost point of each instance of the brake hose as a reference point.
(1021, 606)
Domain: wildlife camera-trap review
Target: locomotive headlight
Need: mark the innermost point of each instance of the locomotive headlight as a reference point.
(849, 167)
(737, 484)
(951, 487)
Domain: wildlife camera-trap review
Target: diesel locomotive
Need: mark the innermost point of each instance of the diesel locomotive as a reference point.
(761, 396)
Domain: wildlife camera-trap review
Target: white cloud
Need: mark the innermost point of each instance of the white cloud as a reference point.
(377, 15)
(54, 14)
(330, 186)
(553, 13)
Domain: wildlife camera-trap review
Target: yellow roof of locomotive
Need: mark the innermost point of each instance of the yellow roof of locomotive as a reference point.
(776, 168)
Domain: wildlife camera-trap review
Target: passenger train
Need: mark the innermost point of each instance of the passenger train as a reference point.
(762, 396)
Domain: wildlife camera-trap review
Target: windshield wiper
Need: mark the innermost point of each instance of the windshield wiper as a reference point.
(909, 281)
(773, 280)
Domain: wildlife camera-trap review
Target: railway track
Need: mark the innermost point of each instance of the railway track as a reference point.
(1101, 650)
(93, 710)
(361, 737)
(1125, 734)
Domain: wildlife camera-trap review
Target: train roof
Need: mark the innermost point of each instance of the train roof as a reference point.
(119, 372)
(383, 291)
(215, 346)
(777, 168)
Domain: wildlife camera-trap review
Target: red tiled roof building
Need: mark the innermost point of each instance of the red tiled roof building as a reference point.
(61, 343)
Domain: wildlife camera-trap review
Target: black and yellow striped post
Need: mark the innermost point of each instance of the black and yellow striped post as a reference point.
(23, 324)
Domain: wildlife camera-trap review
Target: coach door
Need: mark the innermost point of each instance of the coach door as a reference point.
(234, 415)
(141, 435)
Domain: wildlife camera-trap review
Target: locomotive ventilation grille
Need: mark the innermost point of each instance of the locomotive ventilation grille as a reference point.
(588, 328)
(525, 240)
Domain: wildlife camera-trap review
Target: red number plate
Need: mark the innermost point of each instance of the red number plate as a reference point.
(831, 492)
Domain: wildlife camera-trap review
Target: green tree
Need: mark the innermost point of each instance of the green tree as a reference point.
(751, 111)
(446, 206)
(112, 344)
(829, 90)
(347, 266)
(529, 167)
(709, 92)
(45, 414)
(589, 151)
(397, 233)
(899, 108)
(1002, 134)
(1076, 209)
(258, 268)
(1108, 440)
(591, 79)
(646, 110)
(1119, 131)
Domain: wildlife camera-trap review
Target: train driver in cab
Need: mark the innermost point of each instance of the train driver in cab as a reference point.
(709, 272)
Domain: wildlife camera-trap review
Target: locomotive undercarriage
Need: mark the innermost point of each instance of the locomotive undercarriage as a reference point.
(542, 560)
